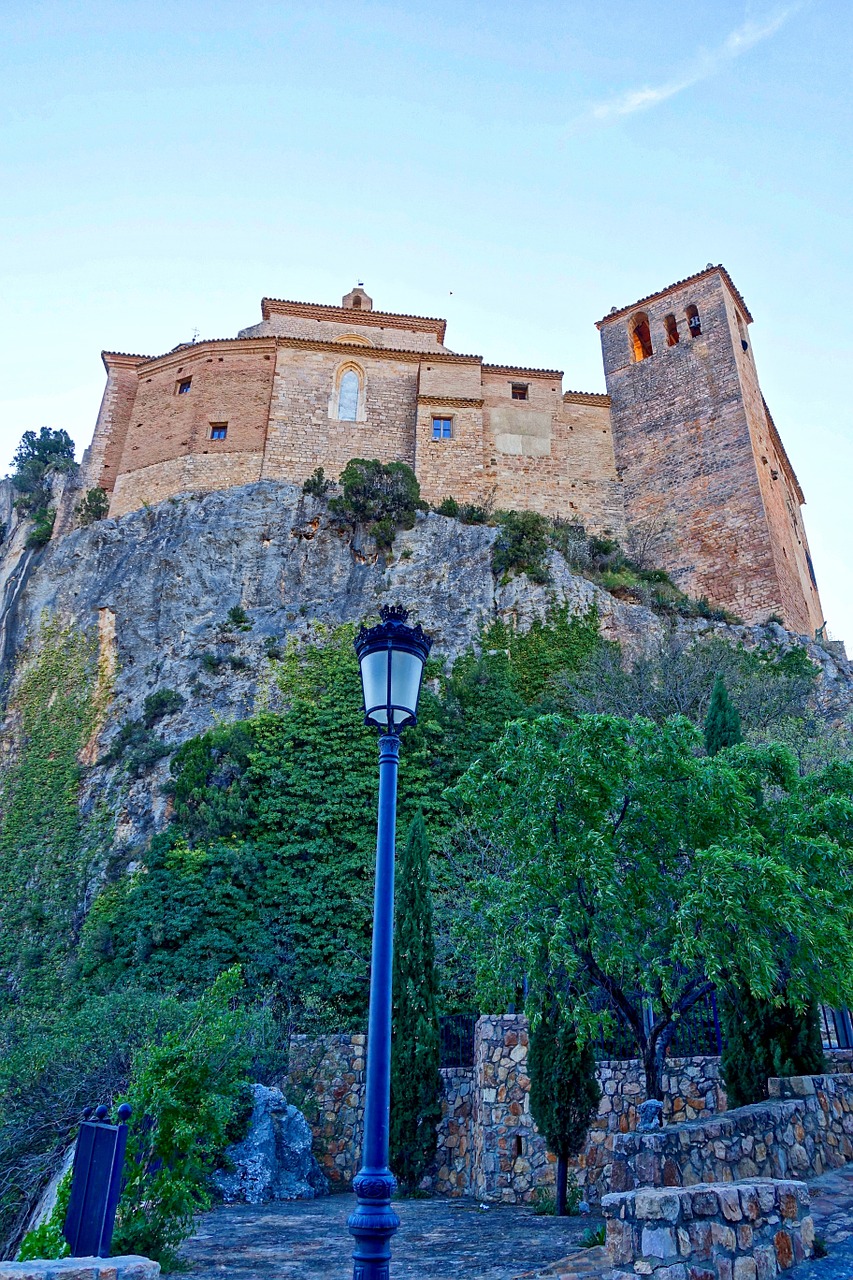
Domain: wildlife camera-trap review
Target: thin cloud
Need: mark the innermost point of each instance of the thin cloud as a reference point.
(736, 43)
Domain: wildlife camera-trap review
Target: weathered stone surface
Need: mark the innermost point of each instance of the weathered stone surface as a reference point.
(274, 1161)
(126, 1267)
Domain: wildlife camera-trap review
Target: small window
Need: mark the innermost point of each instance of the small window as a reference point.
(694, 324)
(518, 1146)
(218, 430)
(442, 428)
(348, 396)
(641, 338)
(519, 390)
(356, 302)
(671, 325)
(184, 386)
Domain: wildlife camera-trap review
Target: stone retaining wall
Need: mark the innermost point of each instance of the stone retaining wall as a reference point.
(805, 1128)
(741, 1231)
(126, 1267)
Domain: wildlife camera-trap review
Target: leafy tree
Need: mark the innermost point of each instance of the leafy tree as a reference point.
(564, 1092)
(764, 1038)
(722, 723)
(384, 496)
(611, 851)
(415, 1081)
(35, 458)
(186, 1092)
(317, 486)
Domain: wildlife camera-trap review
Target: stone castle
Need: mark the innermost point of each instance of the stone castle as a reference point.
(682, 442)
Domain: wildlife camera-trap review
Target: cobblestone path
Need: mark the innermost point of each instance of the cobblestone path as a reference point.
(832, 1210)
(437, 1240)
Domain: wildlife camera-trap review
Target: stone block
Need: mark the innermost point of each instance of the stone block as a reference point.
(658, 1242)
(744, 1269)
(124, 1267)
(784, 1249)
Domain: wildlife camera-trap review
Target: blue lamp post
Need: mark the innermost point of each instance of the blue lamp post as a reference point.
(392, 657)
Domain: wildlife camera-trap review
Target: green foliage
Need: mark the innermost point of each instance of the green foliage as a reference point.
(317, 486)
(136, 747)
(211, 789)
(185, 1091)
(415, 1081)
(94, 506)
(521, 545)
(238, 618)
(45, 848)
(448, 507)
(42, 530)
(211, 662)
(35, 458)
(764, 1038)
(164, 702)
(564, 1092)
(593, 1237)
(47, 1240)
(722, 723)
(611, 852)
(384, 496)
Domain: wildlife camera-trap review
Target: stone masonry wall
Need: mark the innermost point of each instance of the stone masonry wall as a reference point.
(804, 1129)
(744, 1231)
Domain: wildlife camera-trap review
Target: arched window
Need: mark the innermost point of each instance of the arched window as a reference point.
(671, 325)
(694, 324)
(356, 302)
(348, 391)
(641, 337)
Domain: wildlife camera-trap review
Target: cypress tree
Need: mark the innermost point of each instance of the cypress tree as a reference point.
(415, 1080)
(763, 1040)
(564, 1092)
(722, 723)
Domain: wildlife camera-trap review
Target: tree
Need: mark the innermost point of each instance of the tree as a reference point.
(765, 1038)
(415, 1081)
(35, 457)
(384, 496)
(722, 723)
(613, 852)
(564, 1092)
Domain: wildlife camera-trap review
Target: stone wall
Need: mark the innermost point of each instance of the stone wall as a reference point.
(745, 1231)
(488, 1144)
(804, 1129)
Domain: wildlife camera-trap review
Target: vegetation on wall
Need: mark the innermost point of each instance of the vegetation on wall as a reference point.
(94, 506)
(381, 496)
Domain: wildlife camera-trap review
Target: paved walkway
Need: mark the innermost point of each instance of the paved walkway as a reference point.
(437, 1240)
(832, 1210)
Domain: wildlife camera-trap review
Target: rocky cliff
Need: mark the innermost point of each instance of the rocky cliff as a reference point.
(154, 589)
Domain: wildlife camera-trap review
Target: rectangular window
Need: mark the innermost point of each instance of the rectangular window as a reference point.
(184, 386)
(442, 428)
(218, 430)
(519, 390)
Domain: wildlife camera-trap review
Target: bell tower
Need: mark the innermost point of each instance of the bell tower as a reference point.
(698, 453)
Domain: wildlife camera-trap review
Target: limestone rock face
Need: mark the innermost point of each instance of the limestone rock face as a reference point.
(274, 1160)
(155, 586)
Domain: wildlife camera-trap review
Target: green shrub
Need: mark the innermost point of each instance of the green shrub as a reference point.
(238, 618)
(36, 458)
(763, 1038)
(448, 507)
(272, 648)
(593, 1237)
(94, 506)
(317, 486)
(472, 513)
(211, 662)
(164, 702)
(47, 1240)
(382, 496)
(42, 529)
(145, 755)
(521, 545)
(186, 1092)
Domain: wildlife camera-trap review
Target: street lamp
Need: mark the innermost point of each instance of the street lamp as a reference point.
(391, 656)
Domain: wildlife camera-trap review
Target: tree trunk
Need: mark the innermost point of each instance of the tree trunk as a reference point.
(562, 1182)
(653, 1068)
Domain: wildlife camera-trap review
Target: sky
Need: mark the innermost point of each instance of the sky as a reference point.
(516, 168)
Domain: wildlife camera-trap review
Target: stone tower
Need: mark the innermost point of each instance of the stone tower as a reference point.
(699, 456)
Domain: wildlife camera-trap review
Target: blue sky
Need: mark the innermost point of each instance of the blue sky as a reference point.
(516, 168)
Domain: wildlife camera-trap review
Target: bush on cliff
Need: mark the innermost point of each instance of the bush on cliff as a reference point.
(36, 458)
(382, 496)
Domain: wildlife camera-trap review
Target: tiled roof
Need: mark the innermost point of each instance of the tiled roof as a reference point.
(533, 373)
(660, 293)
(321, 310)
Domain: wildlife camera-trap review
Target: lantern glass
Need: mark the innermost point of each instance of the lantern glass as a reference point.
(392, 658)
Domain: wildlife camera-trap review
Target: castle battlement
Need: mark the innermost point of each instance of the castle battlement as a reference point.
(682, 435)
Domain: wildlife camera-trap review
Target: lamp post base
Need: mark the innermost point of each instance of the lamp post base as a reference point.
(373, 1224)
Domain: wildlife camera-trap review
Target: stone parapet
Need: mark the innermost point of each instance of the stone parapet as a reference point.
(712, 1231)
(127, 1267)
(805, 1128)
